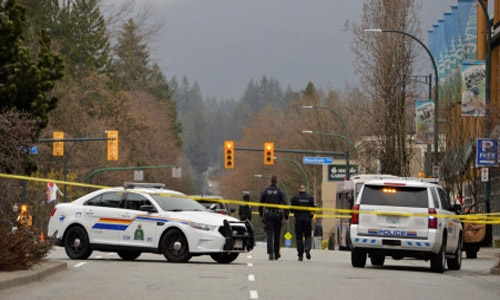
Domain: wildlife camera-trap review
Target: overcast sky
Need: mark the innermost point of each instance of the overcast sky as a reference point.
(222, 44)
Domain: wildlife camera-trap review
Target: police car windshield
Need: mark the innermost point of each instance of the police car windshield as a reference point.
(169, 203)
(395, 196)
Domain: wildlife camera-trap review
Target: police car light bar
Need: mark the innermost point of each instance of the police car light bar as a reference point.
(131, 185)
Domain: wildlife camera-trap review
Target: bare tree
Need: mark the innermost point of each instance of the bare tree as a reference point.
(385, 63)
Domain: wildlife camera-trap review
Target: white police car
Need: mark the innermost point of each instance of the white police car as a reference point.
(140, 218)
(405, 218)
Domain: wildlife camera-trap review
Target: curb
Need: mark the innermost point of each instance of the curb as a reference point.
(24, 277)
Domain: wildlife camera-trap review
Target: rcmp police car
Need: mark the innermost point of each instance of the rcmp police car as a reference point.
(140, 218)
(405, 218)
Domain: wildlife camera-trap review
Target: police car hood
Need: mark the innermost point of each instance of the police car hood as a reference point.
(204, 217)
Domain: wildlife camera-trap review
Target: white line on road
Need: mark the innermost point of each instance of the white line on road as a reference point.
(251, 277)
(80, 264)
(250, 264)
(254, 295)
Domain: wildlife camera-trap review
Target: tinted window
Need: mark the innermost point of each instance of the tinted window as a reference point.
(111, 199)
(135, 201)
(445, 200)
(395, 196)
(171, 203)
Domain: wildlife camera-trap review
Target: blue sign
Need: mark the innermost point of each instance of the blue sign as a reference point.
(317, 160)
(486, 153)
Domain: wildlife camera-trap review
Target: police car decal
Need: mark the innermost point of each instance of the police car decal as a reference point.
(392, 232)
(123, 224)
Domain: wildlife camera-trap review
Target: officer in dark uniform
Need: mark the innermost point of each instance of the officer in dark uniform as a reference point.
(303, 222)
(245, 211)
(273, 217)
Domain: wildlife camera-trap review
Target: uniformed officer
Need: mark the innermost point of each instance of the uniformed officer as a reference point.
(273, 217)
(245, 211)
(303, 222)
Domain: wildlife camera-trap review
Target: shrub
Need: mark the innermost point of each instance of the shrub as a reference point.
(22, 249)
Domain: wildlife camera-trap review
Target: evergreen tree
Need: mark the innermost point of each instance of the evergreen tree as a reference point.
(132, 58)
(84, 42)
(23, 82)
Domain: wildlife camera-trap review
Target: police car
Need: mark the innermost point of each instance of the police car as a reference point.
(140, 218)
(405, 218)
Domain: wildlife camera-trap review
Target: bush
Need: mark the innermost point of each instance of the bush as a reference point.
(22, 249)
(331, 241)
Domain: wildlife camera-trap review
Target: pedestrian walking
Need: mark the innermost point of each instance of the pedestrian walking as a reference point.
(273, 216)
(303, 222)
(245, 211)
(318, 234)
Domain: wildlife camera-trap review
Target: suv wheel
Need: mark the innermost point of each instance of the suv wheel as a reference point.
(358, 258)
(438, 260)
(377, 259)
(455, 263)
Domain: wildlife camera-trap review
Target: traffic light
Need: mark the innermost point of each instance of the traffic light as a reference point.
(269, 153)
(228, 154)
(24, 218)
(112, 145)
(58, 147)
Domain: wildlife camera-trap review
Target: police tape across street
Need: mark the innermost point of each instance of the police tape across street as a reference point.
(480, 218)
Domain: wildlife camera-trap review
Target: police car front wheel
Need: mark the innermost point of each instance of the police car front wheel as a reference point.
(174, 246)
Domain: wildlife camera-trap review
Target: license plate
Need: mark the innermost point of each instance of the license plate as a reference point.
(392, 219)
(238, 244)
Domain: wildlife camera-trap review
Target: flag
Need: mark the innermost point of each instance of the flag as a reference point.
(52, 190)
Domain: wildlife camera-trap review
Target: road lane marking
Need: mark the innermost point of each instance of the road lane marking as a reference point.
(79, 264)
(251, 277)
(254, 295)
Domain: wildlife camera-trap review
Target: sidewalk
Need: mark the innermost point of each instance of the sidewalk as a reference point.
(38, 272)
(493, 253)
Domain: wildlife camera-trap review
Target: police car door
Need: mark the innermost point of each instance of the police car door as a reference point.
(142, 226)
(452, 224)
(101, 216)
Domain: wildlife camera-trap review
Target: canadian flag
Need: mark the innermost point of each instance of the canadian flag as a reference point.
(52, 190)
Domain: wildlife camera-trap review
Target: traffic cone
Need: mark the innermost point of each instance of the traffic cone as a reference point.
(42, 237)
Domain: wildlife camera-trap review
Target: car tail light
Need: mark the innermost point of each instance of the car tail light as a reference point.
(355, 214)
(432, 218)
(53, 212)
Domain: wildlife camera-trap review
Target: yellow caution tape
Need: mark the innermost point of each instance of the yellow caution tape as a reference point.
(483, 218)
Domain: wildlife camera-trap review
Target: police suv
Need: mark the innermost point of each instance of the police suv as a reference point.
(140, 218)
(405, 218)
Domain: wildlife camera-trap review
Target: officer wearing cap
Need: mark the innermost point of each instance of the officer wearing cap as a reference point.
(273, 216)
(303, 222)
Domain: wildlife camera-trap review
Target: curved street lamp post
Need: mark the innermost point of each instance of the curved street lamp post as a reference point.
(346, 135)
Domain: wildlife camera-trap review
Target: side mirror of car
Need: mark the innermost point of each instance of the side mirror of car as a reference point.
(148, 208)
(456, 208)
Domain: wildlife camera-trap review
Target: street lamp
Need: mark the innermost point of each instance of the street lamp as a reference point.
(300, 167)
(436, 101)
(346, 135)
(331, 134)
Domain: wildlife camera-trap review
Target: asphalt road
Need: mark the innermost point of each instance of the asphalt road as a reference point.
(328, 275)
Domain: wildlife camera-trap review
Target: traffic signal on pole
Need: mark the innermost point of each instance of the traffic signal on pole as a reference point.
(269, 153)
(58, 147)
(228, 154)
(24, 218)
(112, 145)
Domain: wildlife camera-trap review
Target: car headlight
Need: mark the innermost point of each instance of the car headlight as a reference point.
(202, 226)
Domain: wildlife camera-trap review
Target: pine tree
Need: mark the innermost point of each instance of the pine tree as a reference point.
(23, 82)
(132, 62)
(85, 41)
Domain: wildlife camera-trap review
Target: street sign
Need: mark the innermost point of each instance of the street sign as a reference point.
(484, 174)
(486, 152)
(338, 172)
(317, 160)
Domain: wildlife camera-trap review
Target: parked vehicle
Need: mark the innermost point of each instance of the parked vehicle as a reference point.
(140, 218)
(406, 218)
